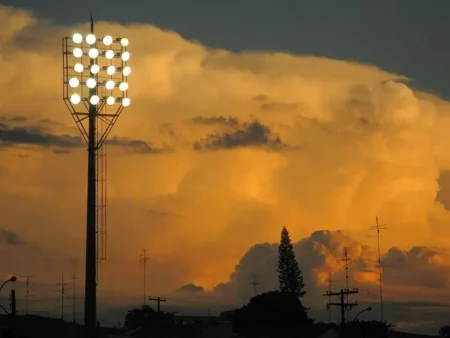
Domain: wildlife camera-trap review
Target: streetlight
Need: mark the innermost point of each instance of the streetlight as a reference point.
(369, 308)
(11, 279)
(95, 90)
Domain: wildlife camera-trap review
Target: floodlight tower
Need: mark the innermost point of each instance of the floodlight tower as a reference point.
(95, 90)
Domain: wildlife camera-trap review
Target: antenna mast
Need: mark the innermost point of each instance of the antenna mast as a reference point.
(347, 262)
(74, 278)
(379, 227)
(144, 258)
(254, 283)
(63, 289)
(329, 297)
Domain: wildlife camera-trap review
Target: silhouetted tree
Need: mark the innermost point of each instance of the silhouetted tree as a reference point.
(270, 312)
(146, 316)
(444, 331)
(289, 275)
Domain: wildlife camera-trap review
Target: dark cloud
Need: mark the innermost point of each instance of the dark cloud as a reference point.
(217, 120)
(253, 134)
(14, 135)
(259, 98)
(279, 106)
(11, 238)
(443, 195)
(191, 287)
(138, 146)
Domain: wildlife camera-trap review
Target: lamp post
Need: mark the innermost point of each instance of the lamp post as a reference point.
(11, 279)
(95, 90)
(369, 308)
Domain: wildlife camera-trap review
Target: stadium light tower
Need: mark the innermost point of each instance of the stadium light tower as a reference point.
(95, 90)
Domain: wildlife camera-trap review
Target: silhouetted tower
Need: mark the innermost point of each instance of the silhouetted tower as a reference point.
(329, 298)
(143, 259)
(379, 227)
(254, 283)
(95, 90)
(63, 289)
(27, 293)
(347, 262)
(74, 278)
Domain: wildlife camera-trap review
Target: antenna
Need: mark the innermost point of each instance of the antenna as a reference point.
(379, 227)
(254, 283)
(27, 292)
(329, 297)
(63, 289)
(144, 258)
(74, 278)
(347, 262)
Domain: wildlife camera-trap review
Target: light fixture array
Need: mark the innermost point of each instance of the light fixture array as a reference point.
(97, 70)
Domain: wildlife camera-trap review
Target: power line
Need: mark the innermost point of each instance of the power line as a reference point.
(254, 283)
(379, 227)
(144, 258)
(344, 293)
(74, 278)
(63, 289)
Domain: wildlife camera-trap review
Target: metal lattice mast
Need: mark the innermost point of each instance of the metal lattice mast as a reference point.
(95, 90)
(379, 227)
(74, 304)
(62, 290)
(347, 262)
(144, 258)
(255, 283)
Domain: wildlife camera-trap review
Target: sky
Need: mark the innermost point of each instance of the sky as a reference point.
(242, 121)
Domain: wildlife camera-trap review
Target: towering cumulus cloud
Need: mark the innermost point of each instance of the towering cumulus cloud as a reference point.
(216, 153)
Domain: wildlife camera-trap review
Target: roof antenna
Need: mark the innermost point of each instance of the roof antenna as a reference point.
(92, 25)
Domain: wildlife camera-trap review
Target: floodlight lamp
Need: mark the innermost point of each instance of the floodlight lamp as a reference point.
(77, 38)
(77, 52)
(78, 68)
(123, 86)
(90, 39)
(125, 56)
(126, 71)
(110, 70)
(95, 69)
(75, 99)
(124, 42)
(93, 53)
(107, 40)
(91, 83)
(109, 85)
(109, 54)
(74, 82)
(110, 100)
(126, 102)
(94, 99)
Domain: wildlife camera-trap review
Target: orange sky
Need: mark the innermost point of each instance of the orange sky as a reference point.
(357, 144)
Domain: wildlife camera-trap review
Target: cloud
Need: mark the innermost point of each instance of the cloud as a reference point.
(362, 142)
(191, 287)
(11, 238)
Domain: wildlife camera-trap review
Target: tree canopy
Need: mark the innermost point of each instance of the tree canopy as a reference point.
(146, 316)
(289, 275)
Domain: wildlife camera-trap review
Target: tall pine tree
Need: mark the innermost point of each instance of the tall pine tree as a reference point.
(289, 274)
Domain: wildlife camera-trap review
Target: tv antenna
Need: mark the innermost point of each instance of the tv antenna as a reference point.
(63, 289)
(329, 297)
(254, 283)
(74, 278)
(144, 258)
(379, 227)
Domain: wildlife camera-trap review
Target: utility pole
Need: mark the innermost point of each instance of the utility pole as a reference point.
(63, 289)
(158, 301)
(74, 278)
(254, 283)
(379, 227)
(342, 303)
(144, 258)
(13, 312)
(347, 262)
